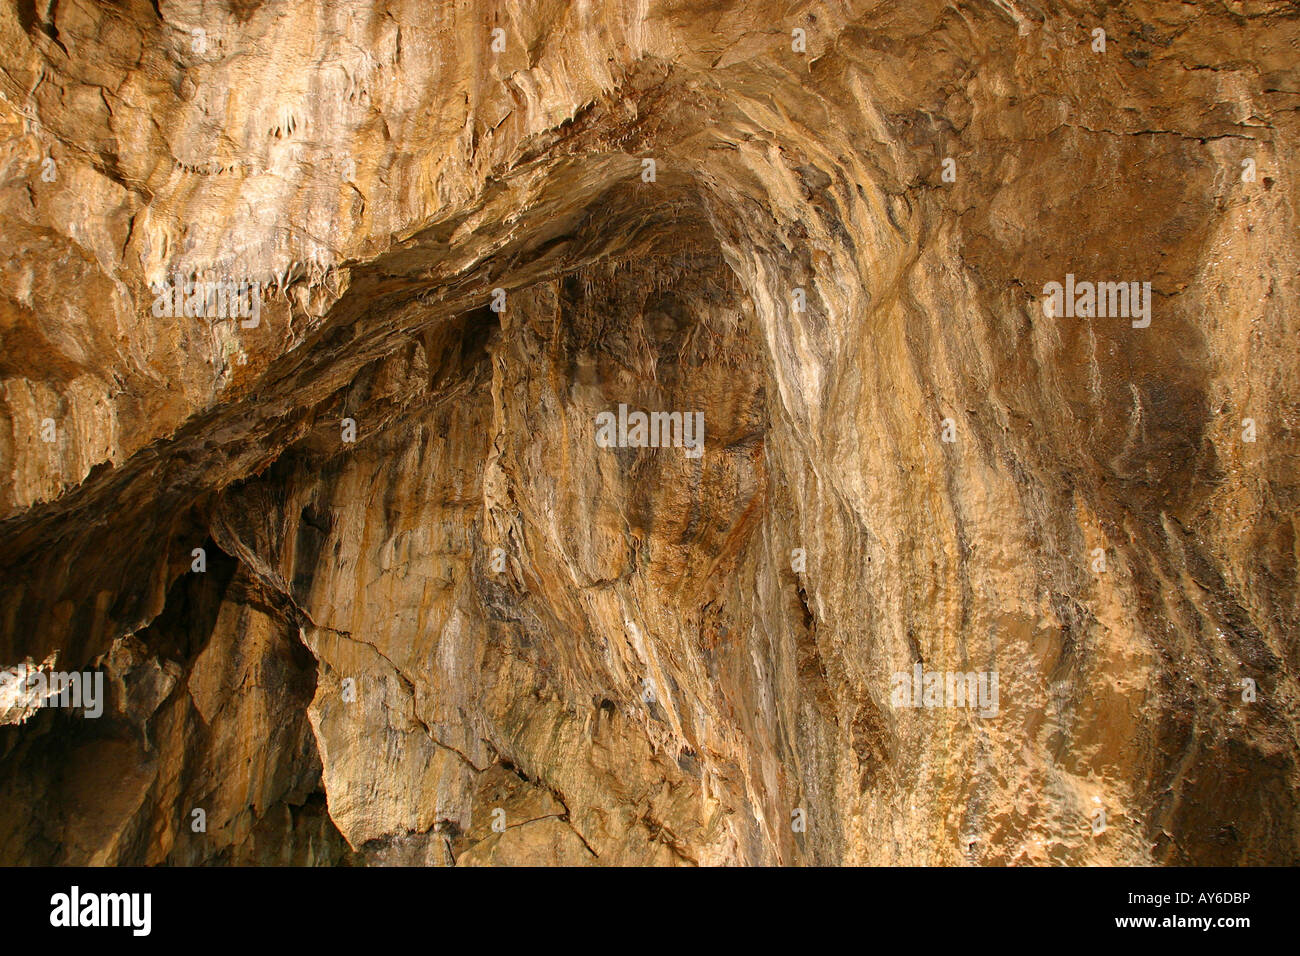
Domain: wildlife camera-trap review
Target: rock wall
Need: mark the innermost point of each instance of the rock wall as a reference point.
(364, 583)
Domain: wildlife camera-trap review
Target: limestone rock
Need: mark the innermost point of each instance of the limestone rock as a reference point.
(367, 586)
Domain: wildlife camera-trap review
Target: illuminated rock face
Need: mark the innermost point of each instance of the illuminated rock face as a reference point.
(975, 564)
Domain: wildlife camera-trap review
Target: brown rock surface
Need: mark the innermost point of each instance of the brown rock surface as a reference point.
(475, 636)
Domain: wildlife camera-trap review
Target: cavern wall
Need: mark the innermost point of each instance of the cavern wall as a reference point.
(437, 621)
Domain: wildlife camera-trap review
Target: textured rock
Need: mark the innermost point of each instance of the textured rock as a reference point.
(473, 635)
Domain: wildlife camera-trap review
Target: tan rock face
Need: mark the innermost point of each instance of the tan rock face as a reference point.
(955, 573)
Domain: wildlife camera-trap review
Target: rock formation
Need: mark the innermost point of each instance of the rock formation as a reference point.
(310, 320)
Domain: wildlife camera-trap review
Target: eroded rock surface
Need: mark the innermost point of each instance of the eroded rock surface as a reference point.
(464, 632)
